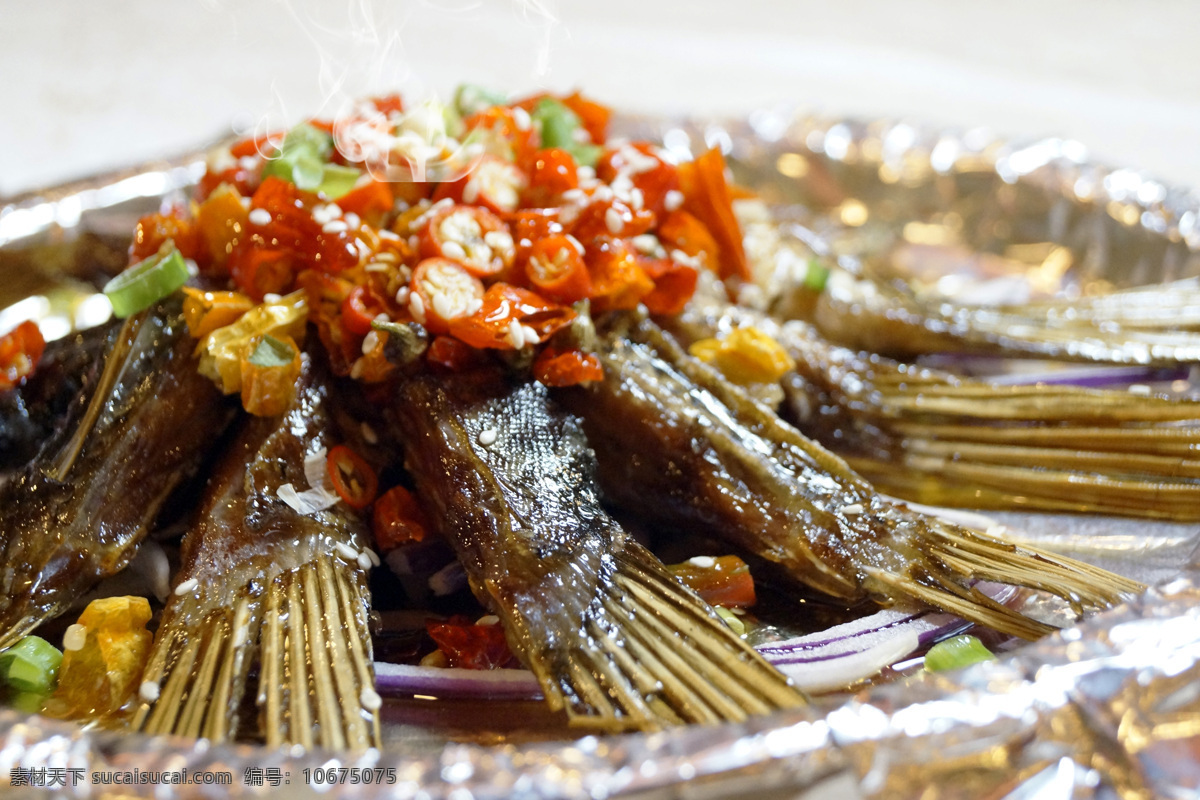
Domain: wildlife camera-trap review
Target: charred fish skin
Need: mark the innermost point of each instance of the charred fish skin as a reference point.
(612, 637)
(679, 443)
(33, 411)
(265, 583)
(77, 513)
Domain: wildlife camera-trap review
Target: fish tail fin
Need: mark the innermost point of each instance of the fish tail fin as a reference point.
(955, 558)
(308, 628)
(660, 657)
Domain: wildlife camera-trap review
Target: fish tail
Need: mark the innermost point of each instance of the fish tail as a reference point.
(661, 657)
(956, 558)
(308, 629)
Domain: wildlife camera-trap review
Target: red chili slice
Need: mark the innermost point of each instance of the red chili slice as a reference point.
(470, 646)
(398, 519)
(555, 367)
(674, 284)
(492, 183)
(352, 477)
(722, 581)
(556, 270)
(553, 172)
(443, 292)
(618, 280)
(612, 218)
(648, 172)
(707, 196)
(20, 350)
(474, 237)
(356, 316)
(504, 305)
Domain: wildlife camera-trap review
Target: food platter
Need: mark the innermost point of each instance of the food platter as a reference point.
(1104, 709)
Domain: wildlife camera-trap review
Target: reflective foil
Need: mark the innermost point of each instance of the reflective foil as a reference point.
(1107, 709)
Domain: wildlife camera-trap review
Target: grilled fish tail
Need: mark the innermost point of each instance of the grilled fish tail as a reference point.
(614, 639)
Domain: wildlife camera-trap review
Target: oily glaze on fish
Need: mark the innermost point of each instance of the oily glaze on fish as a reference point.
(264, 583)
(935, 438)
(31, 412)
(77, 513)
(612, 637)
(683, 446)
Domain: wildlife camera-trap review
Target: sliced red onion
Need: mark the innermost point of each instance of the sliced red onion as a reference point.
(1091, 377)
(451, 683)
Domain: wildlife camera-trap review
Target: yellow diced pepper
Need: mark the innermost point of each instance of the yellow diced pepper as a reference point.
(204, 312)
(746, 356)
(221, 351)
(103, 657)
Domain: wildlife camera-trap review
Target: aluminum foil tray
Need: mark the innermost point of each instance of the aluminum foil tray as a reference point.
(1108, 709)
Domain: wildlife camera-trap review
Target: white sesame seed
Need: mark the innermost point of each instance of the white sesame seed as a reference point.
(575, 243)
(574, 196)
(637, 199)
(488, 619)
(149, 691)
(673, 200)
(442, 306)
(529, 335)
(372, 556)
(521, 117)
(187, 587)
(271, 297)
(688, 261)
(414, 241)
(248, 162)
(347, 552)
(487, 437)
(260, 216)
(703, 562)
(471, 190)
(852, 509)
(586, 173)
(1139, 389)
(75, 637)
(386, 234)
(645, 243)
(364, 562)
(370, 342)
(613, 221)
(402, 296)
(454, 251)
(352, 219)
(337, 226)
(604, 194)
(498, 240)
(370, 699)
(516, 337)
(416, 307)
(368, 434)
(245, 202)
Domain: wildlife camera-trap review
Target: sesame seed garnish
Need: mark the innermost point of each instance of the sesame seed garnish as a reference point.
(453, 250)
(613, 221)
(352, 219)
(347, 552)
(368, 434)
(373, 556)
(416, 307)
(645, 243)
(442, 306)
(487, 437)
(187, 587)
(260, 216)
(575, 243)
(488, 619)
(516, 337)
(703, 562)
(852, 509)
(337, 226)
(370, 699)
(529, 335)
(402, 296)
(585, 173)
(364, 562)
(521, 117)
(370, 342)
(637, 199)
(75, 637)
(149, 691)
(673, 200)
(271, 297)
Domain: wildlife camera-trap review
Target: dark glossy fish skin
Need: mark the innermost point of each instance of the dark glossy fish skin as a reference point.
(681, 445)
(245, 555)
(30, 413)
(509, 479)
(76, 514)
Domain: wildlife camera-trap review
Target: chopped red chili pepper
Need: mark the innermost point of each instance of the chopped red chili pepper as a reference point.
(649, 173)
(618, 281)
(371, 202)
(680, 230)
(506, 311)
(352, 477)
(442, 293)
(20, 350)
(722, 581)
(492, 183)
(555, 367)
(155, 229)
(553, 172)
(556, 270)
(398, 519)
(356, 316)
(593, 116)
(470, 646)
(612, 218)
(674, 284)
(474, 237)
(448, 353)
(706, 195)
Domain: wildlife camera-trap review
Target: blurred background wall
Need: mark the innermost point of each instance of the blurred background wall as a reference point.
(86, 86)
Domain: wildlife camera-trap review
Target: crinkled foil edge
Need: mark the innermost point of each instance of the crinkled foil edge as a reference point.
(1110, 708)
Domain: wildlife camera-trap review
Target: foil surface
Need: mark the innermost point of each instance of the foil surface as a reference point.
(1107, 709)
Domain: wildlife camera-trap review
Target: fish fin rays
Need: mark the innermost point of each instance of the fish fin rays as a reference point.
(653, 655)
(308, 631)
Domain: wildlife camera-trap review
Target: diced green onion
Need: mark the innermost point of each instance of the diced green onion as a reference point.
(303, 158)
(272, 352)
(816, 276)
(955, 653)
(145, 283)
(558, 125)
(471, 99)
(29, 702)
(31, 665)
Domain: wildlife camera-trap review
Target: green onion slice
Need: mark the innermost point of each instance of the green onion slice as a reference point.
(955, 653)
(558, 125)
(303, 159)
(471, 99)
(817, 276)
(145, 283)
(272, 352)
(31, 665)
